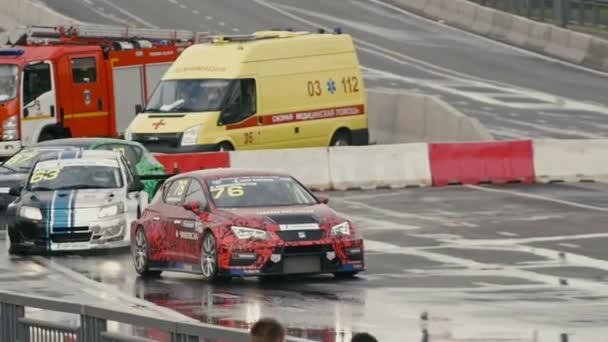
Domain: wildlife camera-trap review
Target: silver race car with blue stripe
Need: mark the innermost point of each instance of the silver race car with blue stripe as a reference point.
(75, 200)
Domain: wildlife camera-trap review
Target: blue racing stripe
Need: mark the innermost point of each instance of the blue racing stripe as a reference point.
(47, 233)
(69, 154)
(61, 211)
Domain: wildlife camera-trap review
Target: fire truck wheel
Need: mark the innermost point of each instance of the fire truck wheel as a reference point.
(44, 136)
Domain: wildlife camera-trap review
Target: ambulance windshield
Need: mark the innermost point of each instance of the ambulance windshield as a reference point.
(9, 79)
(189, 96)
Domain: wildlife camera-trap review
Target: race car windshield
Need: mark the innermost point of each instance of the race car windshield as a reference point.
(9, 80)
(258, 191)
(23, 160)
(51, 177)
(189, 96)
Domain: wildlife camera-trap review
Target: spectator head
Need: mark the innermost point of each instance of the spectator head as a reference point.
(267, 330)
(363, 337)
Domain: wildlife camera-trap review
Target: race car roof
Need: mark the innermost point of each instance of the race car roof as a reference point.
(85, 142)
(231, 172)
(75, 153)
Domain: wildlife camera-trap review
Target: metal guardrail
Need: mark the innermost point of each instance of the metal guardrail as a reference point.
(592, 13)
(15, 327)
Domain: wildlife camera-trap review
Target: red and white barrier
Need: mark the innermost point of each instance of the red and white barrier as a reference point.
(418, 164)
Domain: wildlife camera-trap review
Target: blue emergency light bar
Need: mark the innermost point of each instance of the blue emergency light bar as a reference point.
(11, 52)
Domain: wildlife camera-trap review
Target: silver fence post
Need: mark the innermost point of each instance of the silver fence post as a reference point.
(91, 329)
(10, 321)
(561, 12)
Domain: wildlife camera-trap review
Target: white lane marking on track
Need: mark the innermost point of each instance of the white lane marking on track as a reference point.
(195, 12)
(438, 70)
(182, 6)
(508, 242)
(428, 218)
(507, 234)
(129, 14)
(92, 284)
(569, 245)
(498, 43)
(538, 197)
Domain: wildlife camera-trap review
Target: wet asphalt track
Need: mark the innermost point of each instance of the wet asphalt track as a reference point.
(516, 263)
(515, 94)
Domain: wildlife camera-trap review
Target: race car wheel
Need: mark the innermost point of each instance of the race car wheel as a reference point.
(209, 257)
(140, 254)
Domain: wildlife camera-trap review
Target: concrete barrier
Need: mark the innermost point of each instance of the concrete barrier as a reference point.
(501, 25)
(570, 160)
(371, 167)
(520, 31)
(397, 118)
(568, 45)
(483, 20)
(597, 54)
(309, 165)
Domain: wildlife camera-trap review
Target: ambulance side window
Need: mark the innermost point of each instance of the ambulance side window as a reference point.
(36, 81)
(241, 101)
(84, 70)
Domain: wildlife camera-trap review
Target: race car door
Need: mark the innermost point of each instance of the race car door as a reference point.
(169, 218)
(189, 228)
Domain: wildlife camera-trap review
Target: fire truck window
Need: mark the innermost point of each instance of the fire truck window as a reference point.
(84, 70)
(36, 81)
(241, 102)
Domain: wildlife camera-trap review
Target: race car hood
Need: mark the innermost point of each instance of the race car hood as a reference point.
(9, 179)
(283, 218)
(149, 123)
(73, 199)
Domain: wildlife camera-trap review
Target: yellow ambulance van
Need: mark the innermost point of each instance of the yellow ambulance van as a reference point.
(267, 90)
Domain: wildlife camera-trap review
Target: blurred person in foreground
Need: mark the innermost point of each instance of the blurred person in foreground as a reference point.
(363, 337)
(267, 330)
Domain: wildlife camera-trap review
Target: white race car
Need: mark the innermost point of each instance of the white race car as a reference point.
(75, 200)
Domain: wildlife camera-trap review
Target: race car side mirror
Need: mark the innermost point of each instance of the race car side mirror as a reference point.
(194, 206)
(136, 186)
(323, 199)
(15, 190)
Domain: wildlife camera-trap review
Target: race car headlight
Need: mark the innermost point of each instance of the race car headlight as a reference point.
(9, 129)
(245, 233)
(341, 229)
(190, 136)
(111, 210)
(30, 213)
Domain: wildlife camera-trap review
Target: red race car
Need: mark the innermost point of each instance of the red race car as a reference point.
(224, 223)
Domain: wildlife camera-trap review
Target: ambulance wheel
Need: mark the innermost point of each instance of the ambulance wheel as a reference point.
(341, 138)
(225, 146)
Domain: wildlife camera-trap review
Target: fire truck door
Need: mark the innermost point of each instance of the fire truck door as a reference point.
(88, 114)
(39, 100)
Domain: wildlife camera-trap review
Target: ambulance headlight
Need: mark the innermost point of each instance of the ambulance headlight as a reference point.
(190, 136)
(9, 129)
(30, 213)
(111, 210)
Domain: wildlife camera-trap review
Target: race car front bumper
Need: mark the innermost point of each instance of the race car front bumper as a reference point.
(319, 258)
(35, 237)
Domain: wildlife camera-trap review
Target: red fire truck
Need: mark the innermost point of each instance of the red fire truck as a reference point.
(86, 80)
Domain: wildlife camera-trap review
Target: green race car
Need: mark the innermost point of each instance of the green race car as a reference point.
(142, 161)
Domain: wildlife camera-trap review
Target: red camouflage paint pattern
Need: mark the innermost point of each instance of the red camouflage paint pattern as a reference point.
(164, 246)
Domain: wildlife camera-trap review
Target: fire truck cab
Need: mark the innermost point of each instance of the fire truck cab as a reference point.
(84, 81)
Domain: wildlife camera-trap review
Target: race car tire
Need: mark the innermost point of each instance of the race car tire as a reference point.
(209, 257)
(345, 275)
(140, 254)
